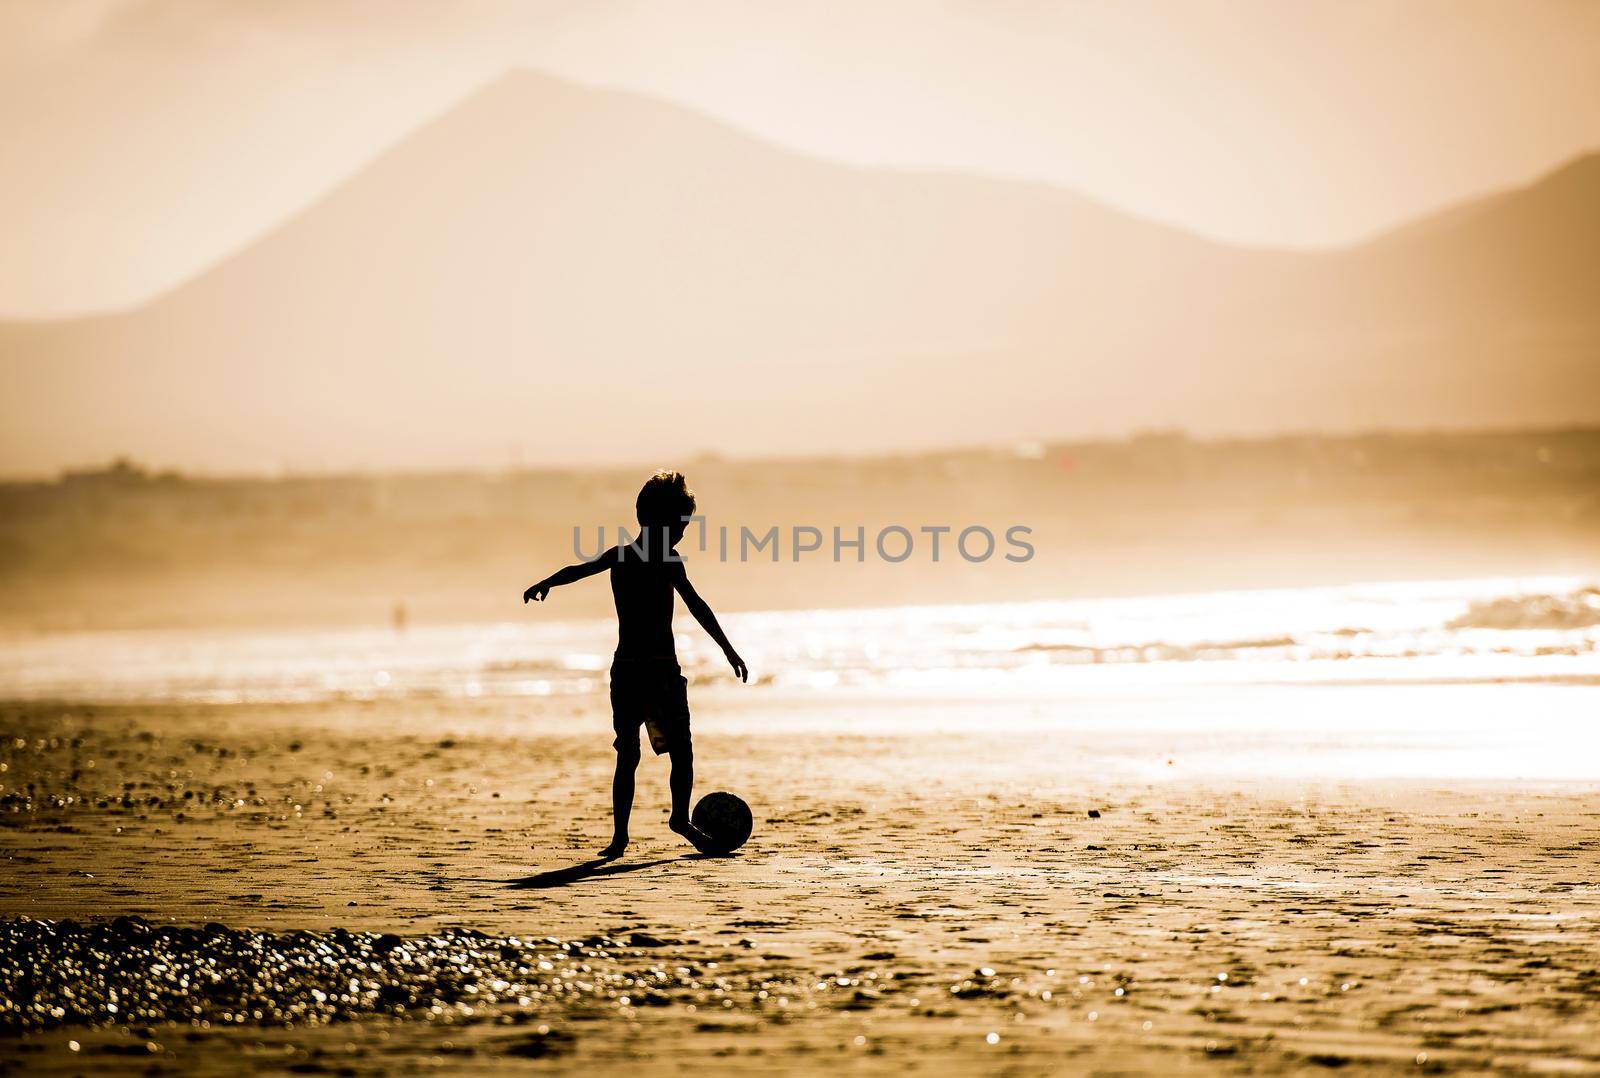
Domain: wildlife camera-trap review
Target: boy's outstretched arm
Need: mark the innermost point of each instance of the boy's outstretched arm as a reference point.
(708, 621)
(566, 576)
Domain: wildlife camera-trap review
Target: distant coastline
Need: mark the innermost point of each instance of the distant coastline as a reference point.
(124, 547)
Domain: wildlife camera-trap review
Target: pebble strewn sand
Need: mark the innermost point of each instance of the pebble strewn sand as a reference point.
(939, 896)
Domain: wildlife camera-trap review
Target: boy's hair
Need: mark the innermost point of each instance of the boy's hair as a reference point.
(664, 500)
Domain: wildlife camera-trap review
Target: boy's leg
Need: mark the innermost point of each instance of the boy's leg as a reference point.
(682, 788)
(622, 793)
(682, 783)
(673, 722)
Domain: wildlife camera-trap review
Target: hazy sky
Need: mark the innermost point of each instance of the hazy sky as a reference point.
(146, 138)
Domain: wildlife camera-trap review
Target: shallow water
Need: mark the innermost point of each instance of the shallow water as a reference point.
(1450, 631)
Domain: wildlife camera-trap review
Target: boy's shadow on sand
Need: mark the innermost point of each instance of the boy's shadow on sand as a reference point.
(599, 866)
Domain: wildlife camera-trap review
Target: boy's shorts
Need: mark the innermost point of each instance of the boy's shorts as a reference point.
(653, 692)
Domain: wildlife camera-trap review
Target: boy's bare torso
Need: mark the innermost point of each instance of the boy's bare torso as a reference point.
(642, 589)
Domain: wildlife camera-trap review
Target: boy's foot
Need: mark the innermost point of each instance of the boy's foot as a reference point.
(697, 838)
(618, 847)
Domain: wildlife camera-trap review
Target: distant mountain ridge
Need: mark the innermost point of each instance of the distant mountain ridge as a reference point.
(554, 274)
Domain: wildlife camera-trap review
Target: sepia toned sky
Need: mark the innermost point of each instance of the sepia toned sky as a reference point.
(145, 139)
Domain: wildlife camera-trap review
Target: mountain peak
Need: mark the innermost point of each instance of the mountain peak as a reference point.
(643, 280)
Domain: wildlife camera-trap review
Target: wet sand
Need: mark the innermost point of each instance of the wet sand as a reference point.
(1158, 882)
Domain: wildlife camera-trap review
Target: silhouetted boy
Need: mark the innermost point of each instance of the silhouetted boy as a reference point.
(646, 685)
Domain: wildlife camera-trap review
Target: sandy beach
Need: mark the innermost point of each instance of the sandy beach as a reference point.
(1209, 879)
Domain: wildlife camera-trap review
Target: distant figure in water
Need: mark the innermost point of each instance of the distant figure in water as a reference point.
(647, 687)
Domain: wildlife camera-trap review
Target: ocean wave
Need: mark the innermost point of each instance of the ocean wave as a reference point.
(1573, 610)
(1160, 650)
